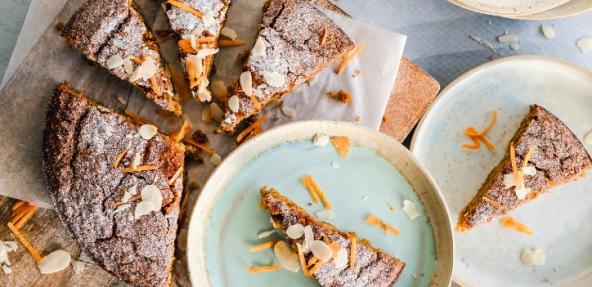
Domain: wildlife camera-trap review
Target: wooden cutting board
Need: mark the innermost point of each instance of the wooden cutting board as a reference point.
(414, 91)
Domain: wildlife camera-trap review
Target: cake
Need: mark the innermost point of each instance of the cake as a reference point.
(197, 24)
(546, 153)
(112, 34)
(122, 213)
(371, 266)
(295, 42)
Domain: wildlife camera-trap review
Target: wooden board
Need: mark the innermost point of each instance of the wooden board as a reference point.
(415, 91)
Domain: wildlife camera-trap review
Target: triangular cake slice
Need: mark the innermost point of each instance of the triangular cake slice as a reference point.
(295, 42)
(112, 34)
(556, 157)
(371, 266)
(197, 24)
(107, 179)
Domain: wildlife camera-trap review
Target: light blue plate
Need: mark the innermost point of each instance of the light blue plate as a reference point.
(364, 182)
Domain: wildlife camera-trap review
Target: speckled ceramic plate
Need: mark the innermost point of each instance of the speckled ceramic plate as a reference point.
(489, 255)
(377, 174)
(571, 8)
(508, 7)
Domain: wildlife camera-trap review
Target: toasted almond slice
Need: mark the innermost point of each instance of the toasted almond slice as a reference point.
(148, 131)
(259, 49)
(229, 32)
(54, 262)
(287, 258)
(246, 83)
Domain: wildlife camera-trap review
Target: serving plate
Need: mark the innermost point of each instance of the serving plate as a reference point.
(571, 8)
(376, 177)
(489, 255)
(508, 7)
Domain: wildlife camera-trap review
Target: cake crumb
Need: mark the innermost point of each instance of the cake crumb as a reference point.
(341, 95)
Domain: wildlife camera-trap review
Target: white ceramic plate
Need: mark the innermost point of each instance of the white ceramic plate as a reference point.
(489, 255)
(508, 7)
(227, 217)
(571, 8)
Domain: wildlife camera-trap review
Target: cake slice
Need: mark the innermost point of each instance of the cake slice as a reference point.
(544, 153)
(116, 191)
(295, 42)
(112, 34)
(197, 24)
(370, 267)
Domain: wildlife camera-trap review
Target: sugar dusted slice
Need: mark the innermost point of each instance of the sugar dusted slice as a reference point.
(333, 264)
(198, 24)
(556, 157)
(283, 59)
(112, 34)
(126, 221)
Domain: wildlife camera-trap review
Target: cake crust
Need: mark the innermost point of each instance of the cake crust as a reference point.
(81, 142)
(373, 268)
(102, 29)
(295, 56)
(558, 156)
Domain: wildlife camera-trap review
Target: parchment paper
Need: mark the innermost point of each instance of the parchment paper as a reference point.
(24, 97)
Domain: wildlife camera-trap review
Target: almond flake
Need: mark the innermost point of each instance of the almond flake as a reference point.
(273, 79)
(198, 31)
(203, 93)
(515, 46)
(206, 52)
(246, 82)
(216, 159)
(321, 250)
(588, 138)
(216, 112)
(295, 231)
(114, 61)
(533, 257)
(145, 71)
(507, 38)
(208, 20)
(548, 31)
(54, 262)
(128, 66)
(340, 261)
(229, 32)
(585, 44)
(287, 258)
(78, 266)
(289, 112)
(320, 140)
(308, 237)
(137, 161)
(151, 201)
(265, 234)
(259, 48)
(219, 89)
(147, 131)
(233, 104)
(327, 214)
(410, 209)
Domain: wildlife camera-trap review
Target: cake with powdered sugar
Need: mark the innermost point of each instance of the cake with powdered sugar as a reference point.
(295, 42)
(364, 266)
(197, 24)
(116, 184)
(112, 34)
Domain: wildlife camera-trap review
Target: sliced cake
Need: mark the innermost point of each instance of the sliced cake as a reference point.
(295, 42)
(543, 153)
(197, 24)
(112, 34)
(369, 266)
(116, 185)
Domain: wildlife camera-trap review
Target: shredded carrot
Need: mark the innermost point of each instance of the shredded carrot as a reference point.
(135, 59)
(180, 134)
(231, 43)
(324, 37)
(487, 143)
(263, 246)
(205, 148)
(180, 83)
(192, 73)
(476, 144)
(527, 156)
(267, 268)
(341, 144)
(139, 168)
(175, 176)
(186, 7)
(348, 58)
(517, 174)
(312, 261)
(119, 158)
(185, 44)
(155, 85)
(511, 223)
(372, 219)
(22, 215)
(334, 248)
(302, 260)
(311, 186)
(492, 202)
(353, 246)
(477, 137)
(252, 127)
(18, 204)
(34, 252)
(491, 123)
(314, 269)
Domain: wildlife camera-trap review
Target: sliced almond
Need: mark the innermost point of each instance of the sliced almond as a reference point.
(208, 19)
(259, 48)
(234, 104)
(321, 250)
(548, 31)
(341, 260)
(287, 258)
(147, 131)
(320, 140)
(246, 82)
(78, 266)
(273, 79)
(145, 71)
(533, 257)
(54, 262)
(326, 214)
(410, 209)
(289, 112)
(114, 61)
(206, 52)
(229, 32)
(295, 231)
(265, 234)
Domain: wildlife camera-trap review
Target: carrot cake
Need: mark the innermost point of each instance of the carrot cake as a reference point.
(116, 185)
(295, 42)
(369, 266)
(112, 34)
(197, 24)
(543, 153)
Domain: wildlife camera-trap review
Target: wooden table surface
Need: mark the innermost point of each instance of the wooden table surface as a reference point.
(415, 91)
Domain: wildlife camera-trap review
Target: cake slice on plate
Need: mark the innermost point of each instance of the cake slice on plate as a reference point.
(328, 249)
(116, 185)
(112, 34)
(295, 42)
(543, 153)
(197, 24)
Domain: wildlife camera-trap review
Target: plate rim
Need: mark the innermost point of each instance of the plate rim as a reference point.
(193, 252)
(498, 12)
(446, 93)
